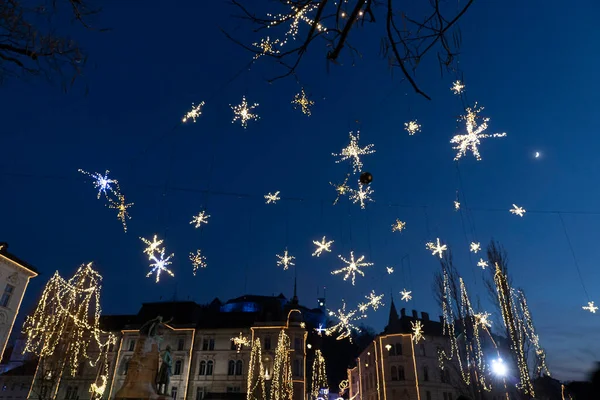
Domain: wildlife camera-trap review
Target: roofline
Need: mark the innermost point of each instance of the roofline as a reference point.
(15, 260)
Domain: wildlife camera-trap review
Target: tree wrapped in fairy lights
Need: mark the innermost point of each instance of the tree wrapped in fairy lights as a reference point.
(256, 374)
(282, 387)
(64, 331)
(319, 374)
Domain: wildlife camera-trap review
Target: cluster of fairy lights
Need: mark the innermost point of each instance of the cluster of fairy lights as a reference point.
(472, 139)
(111, 191)
(417, 331)
(282, 385)
(198, 261)
(345, 323)
(286, 260)
(353, 152)
(353, 267)
(156, 254)
(374, 301)
(398, 226)
(66, 325)
(436, 248)
(256, 374)
(302, 101)
(240, 341)
(323, 246)
(272, 198)
(194, 113)
(295, 15)
(319, 374)
(412, 127)
(243, 113)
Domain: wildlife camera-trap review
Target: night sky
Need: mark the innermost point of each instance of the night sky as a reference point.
(534, 68)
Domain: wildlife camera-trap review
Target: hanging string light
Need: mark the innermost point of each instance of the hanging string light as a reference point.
(256, 375)
(344, 326)
(319, 375)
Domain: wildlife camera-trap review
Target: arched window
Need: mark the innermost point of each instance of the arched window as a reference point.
(425, 374)
(231, 367)
(202, 369)
(238, 367)
(209, 367)
(177, 369)
(401, 373)
(394, 373)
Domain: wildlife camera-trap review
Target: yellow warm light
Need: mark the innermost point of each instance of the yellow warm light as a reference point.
(319, 374)
(472, 139)
(412, 127)
(475, 247)
(405, 295)
(256, 374)
(282, 385)
(201, 218)
(352, 268)
(267, 47)
(300, 100)
(240, 341)
(198, 261)
(398, 226)
(341, 189)
(520, 211)
(457, 87)
(417, 331)
(194, 113)
(121, 206)
(243, 113)
(482, 263)
(362, 195)
(353, 152)
(286, 260)
(272, 197)
(323, 245)
(590, 307)
(390, 270)
(436, 248)
(344, 326)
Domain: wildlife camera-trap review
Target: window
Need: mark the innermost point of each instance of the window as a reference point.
(211, 344)
(23, 386)
(131, 344)
(297, 344)
(13, 386)
(81, 369)
(394, 373)
(268, 343)
(180, 344)
(398, 349)
(174, 392)
(231, 368)
(233, 389)
(71, 392)
(202, 369)
(177, 370)
(209, 367)
(200, 393)
(449, 396)
(296, 368)
(442, 376)
(125, 366)
(422, 349)
(425, 374)
(400, 373)
(446, 373)
(427, 395)
(8, 292)
(238, 367)
(445, 395)
(233, 345)
(205, 344)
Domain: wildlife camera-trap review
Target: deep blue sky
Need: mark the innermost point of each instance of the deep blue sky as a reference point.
(534, 67)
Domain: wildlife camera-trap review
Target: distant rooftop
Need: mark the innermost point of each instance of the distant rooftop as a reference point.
(13, 258)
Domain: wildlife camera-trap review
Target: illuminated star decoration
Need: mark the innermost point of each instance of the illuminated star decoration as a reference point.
(160, 264)
(483, 319)
(286, 260)
(475, 247)
(457, 87)
(412, 127)
(390, 270)
(353, 151)
(201, 218)
(362, 195)
(240, 341)
(590, 307)
(374, 301)
(344, 326)
(303, 325)
(272, 197)
(398, 226)
(122, 207)
(194, 113)
(520, 211)
(103, 183)
(242, 113)
(482, 263)
(153, 246)
(300, 100)
(352, 268)
(266, 46)
(341, 189)
(456, 205)
(417, 331)
(323, 245)
(320, 329)
(436, 248)
(406, 295)
(198, 261)
(471, 140)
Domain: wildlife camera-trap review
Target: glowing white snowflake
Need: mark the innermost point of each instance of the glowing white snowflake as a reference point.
(482, 263)
(405, 295)
(362, 195)
(272, 197)
(471, 140)
(103, 183)
(240, 341)
(286, 260)
(398, 226)
(457, 87)
(353, 151)
(320, 330)
(267, 47)
(300, 100)
(352, 268)
(475, 247)
(483, 319)
(417, 331)
(323, 245)
(198, 261)
(242, 113)
(341, 189)
(194, 113)
(201, 218)
(160, 265)
(390, 270)
(456, 205)
(121, 206)
(344, 326)
(436, 248)
(362, 307)
(590, 307)
(153, 246)
(520, 211)
(375, 301)
(412, 127)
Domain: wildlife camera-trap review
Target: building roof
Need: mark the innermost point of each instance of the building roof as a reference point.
(403, 324)
(26, 369)
(15, 259)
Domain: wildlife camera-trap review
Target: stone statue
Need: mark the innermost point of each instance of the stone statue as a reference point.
(151, 328)
(164, 373)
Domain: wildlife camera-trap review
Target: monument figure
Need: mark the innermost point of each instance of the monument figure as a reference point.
(164, 373)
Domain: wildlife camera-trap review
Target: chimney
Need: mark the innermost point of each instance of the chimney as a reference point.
(403, 312)
(414, 314)
(424, 316)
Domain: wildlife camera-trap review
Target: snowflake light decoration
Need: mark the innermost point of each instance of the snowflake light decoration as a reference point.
(160, 265)
(194, 113)
(482, 263)
(457, 87)
(436, 248)
(320, 330)
(121, 206)
(153, 246)
(362, 307)
(240, 341)
(398, 226)
(294, 17)
(198, 261)
(471, 140)
(417, 331)
(266, 47)
(390, 270)
(242, 113)
(353, 152)
(352, 268)
(590, 307)
(483, 319)
(344, 326)
(323, 245)
(341, 188)
(405, 295)
(300, 100)
(520, 211)
(103, 183)
(272, 197)
(375, 301)
(412, 127)
(456, 205)
(362, 195)
(286, 260)
(475, 247)
(201, 218)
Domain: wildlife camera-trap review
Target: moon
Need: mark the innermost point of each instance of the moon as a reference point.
(537, 154)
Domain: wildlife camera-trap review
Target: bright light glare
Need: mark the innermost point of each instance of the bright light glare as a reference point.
(499, 368)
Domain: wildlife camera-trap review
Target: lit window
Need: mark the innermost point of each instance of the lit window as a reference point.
(8, 292)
